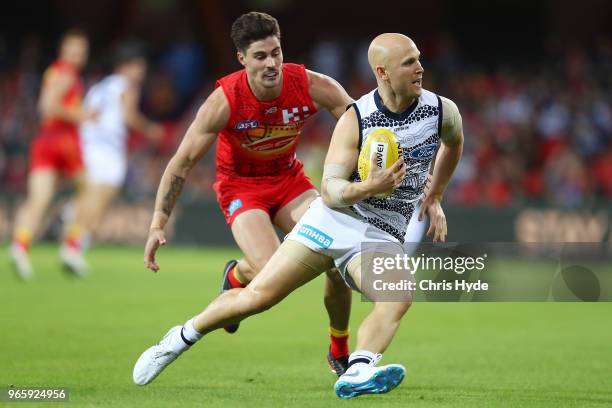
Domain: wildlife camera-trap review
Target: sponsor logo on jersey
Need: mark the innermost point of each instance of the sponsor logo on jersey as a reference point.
(271, 110)
(246, 125)
(271, 137)
(234, 205)
(270, 143)
(318, 237)
(424, 152)
(295, 115)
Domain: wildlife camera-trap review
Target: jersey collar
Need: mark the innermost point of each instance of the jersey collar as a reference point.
(396, 116)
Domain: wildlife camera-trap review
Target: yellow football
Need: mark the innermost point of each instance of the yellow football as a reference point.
(382, 144)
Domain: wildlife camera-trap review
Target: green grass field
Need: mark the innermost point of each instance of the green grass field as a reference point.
(86, 335)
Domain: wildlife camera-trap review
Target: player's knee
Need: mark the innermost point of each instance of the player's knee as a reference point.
(336, 280)
(36, 205)
(256, 301)
(394, 311)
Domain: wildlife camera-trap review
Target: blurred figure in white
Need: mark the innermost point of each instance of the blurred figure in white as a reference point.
(104, 142)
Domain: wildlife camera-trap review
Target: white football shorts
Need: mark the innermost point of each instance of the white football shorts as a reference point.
(337, 234)
(415, 231)
(104, 165)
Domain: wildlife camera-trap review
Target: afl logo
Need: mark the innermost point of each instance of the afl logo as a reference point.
(424, 152)
(246, 125)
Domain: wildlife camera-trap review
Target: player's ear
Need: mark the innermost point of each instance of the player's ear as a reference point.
(240, 57)
(381, 72)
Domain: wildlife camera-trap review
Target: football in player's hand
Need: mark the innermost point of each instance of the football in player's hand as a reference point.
(380, 147)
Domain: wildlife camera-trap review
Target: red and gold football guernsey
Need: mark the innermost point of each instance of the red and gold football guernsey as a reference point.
(56, 146)
(261, 137)
(72, 99)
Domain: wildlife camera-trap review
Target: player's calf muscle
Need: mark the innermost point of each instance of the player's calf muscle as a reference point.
(235, 303)
(258, 260)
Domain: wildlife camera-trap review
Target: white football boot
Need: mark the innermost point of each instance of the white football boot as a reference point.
(153, 361)
(21, 261)
(368, 379)
(74, 261)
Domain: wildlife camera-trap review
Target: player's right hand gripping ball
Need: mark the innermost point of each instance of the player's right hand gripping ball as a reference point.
(381, 143)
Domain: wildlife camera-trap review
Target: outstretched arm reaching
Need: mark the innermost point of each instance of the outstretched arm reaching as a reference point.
(328, 94)
(200, 136)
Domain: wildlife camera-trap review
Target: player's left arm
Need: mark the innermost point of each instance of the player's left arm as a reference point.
(446, 161)
(134, 119)
(328, 94)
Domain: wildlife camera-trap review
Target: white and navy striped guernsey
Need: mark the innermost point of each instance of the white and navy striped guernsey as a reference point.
(418, 133)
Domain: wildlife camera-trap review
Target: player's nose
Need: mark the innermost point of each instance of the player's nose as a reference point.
(270, 62)
(420, 68)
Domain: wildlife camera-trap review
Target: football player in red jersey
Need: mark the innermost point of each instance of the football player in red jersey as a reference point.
(55, 150)
(257, 114)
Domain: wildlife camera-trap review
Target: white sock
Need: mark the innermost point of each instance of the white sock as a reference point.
(191, 334)
(185, 338)
(363, 357)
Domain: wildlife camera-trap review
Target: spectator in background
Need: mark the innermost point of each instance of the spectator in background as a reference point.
(518, 114)
(183, 62)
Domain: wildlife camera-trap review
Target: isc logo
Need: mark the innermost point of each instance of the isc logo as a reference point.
(293, 114)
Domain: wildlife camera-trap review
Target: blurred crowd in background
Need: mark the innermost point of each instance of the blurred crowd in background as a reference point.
(538, 129)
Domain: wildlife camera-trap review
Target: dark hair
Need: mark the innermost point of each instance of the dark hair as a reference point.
(72, 33)
(251, 27)
(127, 52)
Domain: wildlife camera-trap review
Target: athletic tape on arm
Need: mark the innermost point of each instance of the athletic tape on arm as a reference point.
(335, 177)
(451, 122)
